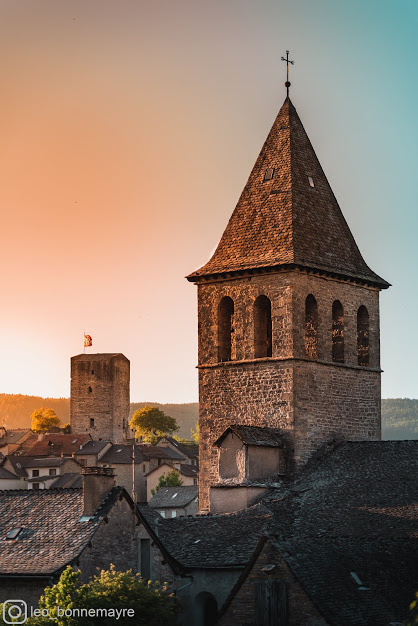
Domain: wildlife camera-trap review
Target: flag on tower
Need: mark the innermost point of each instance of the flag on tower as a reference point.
(87, 341)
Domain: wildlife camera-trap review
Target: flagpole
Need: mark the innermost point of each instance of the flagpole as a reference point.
(84, 342)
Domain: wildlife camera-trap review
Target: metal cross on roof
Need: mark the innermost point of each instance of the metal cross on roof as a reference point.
(287, 84)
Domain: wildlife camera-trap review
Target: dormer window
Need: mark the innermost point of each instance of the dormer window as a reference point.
(268, 174)
(311, 181)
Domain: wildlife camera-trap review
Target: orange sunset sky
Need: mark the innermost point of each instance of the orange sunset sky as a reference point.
(128, 132)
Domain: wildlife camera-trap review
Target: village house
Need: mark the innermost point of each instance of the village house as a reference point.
(175, 501)
(38, 473)
(187, 473)
(41, 532)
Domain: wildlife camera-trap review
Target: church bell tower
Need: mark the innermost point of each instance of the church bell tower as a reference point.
(288, 312)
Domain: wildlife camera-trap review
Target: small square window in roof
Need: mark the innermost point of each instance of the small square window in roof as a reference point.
(269, 173)
(12, 534)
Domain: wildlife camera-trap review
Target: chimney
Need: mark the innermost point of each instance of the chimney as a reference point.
(97, 482)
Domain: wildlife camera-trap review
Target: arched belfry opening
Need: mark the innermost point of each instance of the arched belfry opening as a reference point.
(337, 332)
(311, 327)
(226, 342)
(262, 327)
(363, 355)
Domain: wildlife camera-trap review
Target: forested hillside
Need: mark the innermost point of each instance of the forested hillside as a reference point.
(399, 415)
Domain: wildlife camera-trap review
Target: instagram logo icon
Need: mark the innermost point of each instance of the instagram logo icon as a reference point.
(15, 612)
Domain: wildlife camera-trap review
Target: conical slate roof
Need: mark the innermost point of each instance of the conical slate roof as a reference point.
(286, 221)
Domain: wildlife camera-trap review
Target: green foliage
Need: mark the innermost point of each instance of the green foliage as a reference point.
(399, 418)
(152, 424)
(413, 607)
(151, 603)
(15, 409)
(43, 420)
(195, 433)
(172, 479)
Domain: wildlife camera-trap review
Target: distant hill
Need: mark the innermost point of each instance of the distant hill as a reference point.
(399, 418)
(399, 415)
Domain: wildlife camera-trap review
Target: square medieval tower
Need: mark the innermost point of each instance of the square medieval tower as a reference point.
(288, 312)
(100, 401)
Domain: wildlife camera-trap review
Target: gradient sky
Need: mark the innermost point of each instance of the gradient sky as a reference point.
(128, 130)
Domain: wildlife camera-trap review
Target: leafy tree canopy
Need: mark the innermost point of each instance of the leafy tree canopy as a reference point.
(195, 433)
(172, 479)
(151, 603)
(43, 420)
(151, 424)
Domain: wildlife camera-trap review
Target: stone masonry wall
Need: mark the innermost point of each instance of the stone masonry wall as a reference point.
(311, 401)
(301, 610)
(100, 391)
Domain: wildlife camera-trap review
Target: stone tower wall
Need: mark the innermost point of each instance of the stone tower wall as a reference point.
(100, 392)
(312, 401)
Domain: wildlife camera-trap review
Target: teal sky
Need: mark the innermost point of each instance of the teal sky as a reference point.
(128, 132)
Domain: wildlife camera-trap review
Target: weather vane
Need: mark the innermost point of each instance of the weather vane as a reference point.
(287, 84)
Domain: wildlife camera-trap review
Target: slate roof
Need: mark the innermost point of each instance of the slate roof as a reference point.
(254, 436)
(92, 447)
(156, 452)
(189, 470)
(30, 461)
(285, 222)
(58, 443)
(213, 541)
(121, 454)
(69, 480)
(190, 450)
(173, 497)
(4, 473)
(51, 535)
(13, 436)
(17, 465)
(353, 509)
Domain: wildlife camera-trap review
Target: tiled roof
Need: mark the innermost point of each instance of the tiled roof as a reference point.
(52, 535)
(173, 497)
(58, 443)
(92, 447)
(17, 465)
(254, 436)
(284, 221)
(121, 454)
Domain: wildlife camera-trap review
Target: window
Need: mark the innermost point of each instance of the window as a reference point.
(92, 422)
(363, 357)
(195, 481)
(269, 173)
(53, 472)
(35, 485)
(226, 344)
(146, 559)
(92, 371)
(82, 462)
(311, 181)
(90, 390)
(35, 473)
(13, 534)
(262, 327)
(337, 332)
(174, 513)
(162, 513)
(311, 327)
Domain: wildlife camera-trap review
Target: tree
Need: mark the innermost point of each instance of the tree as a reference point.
(195, 433)
(108, 591)
(43, 420)
(152, 424)
(172, 479)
